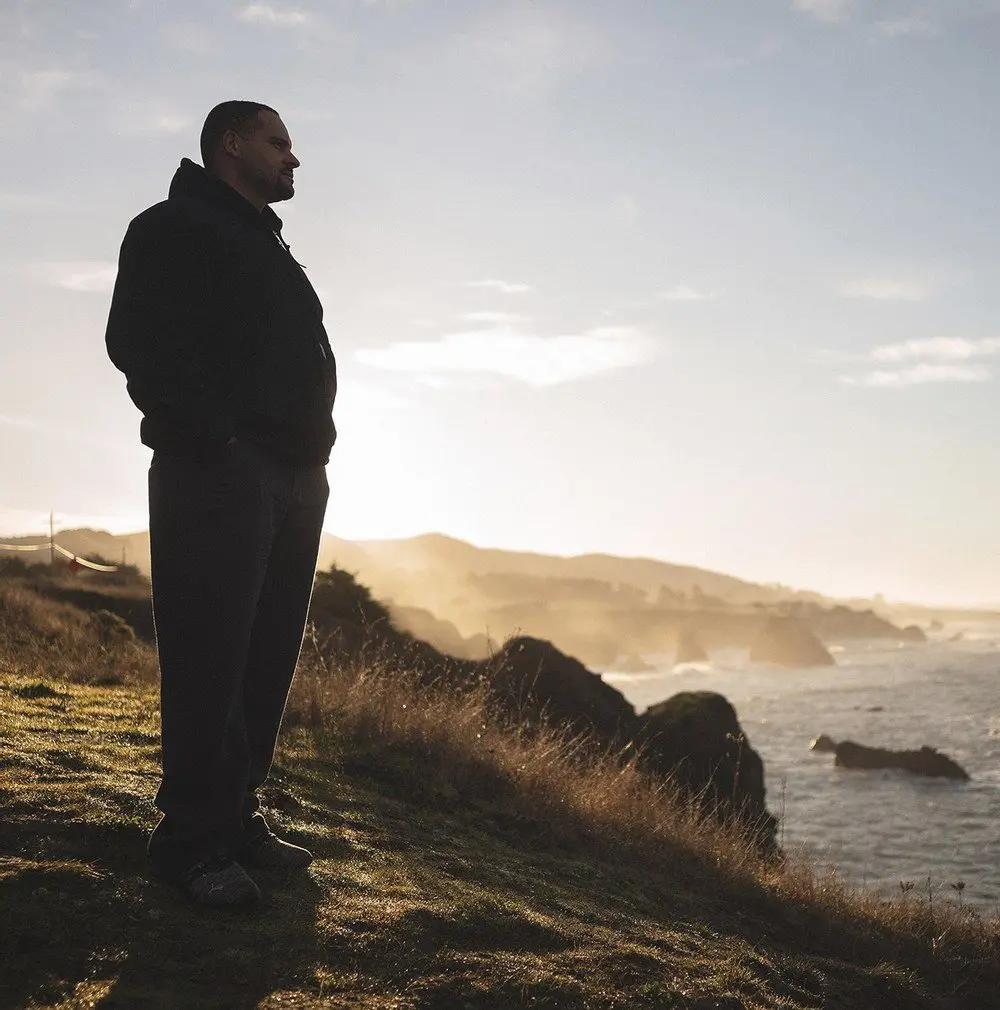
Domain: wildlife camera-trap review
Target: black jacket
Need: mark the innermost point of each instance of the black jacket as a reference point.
(217, 329)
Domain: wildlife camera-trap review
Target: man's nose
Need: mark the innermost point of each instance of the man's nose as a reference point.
(292, 160)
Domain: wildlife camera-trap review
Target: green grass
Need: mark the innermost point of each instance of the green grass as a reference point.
(407, 905)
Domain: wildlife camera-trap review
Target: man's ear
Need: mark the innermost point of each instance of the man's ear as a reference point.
(231, 143)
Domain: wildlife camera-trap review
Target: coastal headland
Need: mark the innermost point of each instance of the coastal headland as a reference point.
(465, 858)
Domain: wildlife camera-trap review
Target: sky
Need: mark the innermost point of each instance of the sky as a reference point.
(710, 282)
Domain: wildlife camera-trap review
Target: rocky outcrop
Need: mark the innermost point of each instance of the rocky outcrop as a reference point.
(544, 681)
(823, 744)
(844, 623)
(695, 738)
(787, 641)
(632, 662)
(443, 635)
(926, 761)
(912, 633)
(689, 648)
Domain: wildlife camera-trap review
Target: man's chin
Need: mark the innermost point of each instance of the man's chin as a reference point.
(283, 191)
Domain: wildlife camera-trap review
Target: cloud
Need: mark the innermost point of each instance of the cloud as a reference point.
(265, 14)
(885, 289)
(682, 293)
(152, 119)
(827, 11)
(35, 90)
(357, 399)
(921, 375)
(39, 87)
(511, 318)
(678, 293)
(190, 38)
(918, 24)
(527, 49)
(624, 208)
(515, 354)
(504, 287)
(937, 348)
(937, 359)
(18, 422)
(768, 49)
(77, 275)
(14, 201)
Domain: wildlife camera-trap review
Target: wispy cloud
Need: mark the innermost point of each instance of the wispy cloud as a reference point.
(266, 14)
(888, 289)
(191, 38)
(919, 375)
(511, 318)
(678, 293)
(152, 118)
(515, 354)
(918, 24)
(624, 208)
(39, 87)
(931, 359)
(77, 275)
(34, 90)
(682, 293)
(11, 200)
(358, 399)
(827, 11)
(504, 287)
(529, 49)
(937, 349)
(766, 50)
(18, 422)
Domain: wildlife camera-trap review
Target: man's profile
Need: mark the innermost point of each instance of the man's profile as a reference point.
(221, 338)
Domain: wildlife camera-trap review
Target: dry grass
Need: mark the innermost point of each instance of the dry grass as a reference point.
(446, 748)
(42, 637)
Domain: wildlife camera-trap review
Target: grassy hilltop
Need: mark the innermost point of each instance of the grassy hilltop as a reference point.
(461, 862)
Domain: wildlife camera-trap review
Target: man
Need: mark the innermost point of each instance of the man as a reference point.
(221, 338)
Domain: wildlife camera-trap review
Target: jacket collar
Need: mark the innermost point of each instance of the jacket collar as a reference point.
(191, 180)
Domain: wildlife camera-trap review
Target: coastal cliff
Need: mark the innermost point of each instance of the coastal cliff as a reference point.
(459, 862)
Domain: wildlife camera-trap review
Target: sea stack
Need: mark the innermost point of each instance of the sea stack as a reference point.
(787, 641)
(689, 647)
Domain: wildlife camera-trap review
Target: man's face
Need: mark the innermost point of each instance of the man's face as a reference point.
(266, 162)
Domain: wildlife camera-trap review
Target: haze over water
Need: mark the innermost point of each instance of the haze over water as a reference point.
(880, 827)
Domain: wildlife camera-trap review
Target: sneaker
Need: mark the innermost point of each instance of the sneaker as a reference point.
(269, 852)
(220, 882)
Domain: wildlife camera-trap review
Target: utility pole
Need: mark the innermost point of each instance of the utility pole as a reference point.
(52, 538)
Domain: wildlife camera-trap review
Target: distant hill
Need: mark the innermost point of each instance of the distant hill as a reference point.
(602, 609)
(377, 561)
(495, 591)
(439, 554)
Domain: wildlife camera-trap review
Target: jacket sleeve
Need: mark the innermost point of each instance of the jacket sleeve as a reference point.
(161, 325)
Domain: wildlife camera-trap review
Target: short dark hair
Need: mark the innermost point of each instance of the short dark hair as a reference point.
(239, 116)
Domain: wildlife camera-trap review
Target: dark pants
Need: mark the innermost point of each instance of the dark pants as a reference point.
(233, 545)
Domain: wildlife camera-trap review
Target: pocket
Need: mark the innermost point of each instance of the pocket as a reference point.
(232, 480)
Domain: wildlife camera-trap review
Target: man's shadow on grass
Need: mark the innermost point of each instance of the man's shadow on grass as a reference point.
(83, 917)
(180, 955)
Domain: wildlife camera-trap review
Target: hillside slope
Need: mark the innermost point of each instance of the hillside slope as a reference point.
(411, 903)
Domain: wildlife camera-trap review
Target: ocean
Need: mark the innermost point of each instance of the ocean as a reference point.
(876, 828)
